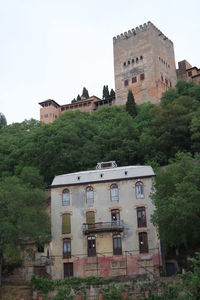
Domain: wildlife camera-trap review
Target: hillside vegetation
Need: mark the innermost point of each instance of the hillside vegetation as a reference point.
(77, 141)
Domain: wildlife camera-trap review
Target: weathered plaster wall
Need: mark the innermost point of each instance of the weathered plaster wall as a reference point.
(102, 206)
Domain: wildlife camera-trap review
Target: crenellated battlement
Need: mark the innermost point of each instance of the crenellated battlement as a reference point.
(138, 29)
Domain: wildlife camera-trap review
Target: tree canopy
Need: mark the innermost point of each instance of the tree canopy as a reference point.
(85, 93)
(77, 141)
(22, 213)
(176, 198)
(130, 105)
(3, 121)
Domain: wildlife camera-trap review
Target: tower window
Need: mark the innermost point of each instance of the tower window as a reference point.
(133, 61)
(134, 79)
(142, 76)
(126, 82)
(129, 62)
(137, 59)
(141, 57)
(124, 64)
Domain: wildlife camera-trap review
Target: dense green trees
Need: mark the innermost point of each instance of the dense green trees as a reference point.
(131, 105)
(77, 141)
(3, 121)
(106, 93)
(22, 213)
(85, 93)
(176, 198)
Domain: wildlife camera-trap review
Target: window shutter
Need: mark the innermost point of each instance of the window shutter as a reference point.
(66, 224)
(90, 217)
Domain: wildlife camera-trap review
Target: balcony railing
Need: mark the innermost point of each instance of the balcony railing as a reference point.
(103, 227)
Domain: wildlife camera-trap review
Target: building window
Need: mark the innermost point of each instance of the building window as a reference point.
(68, 269)
(162, 78)
(129, 62)
(141, 217)
(114, 192)
(134, 79)
(66, 224)
(170, 84)
(90, 219)
(166, 81)
(89, 194)
(115, 215)
(142, 76)
(124, 64)
(139, 190)
(66, 248)
(133, 61)
(143, 242)
(141, 57)
(126, 82)
(65, 197)
(137, 59)
(190, 73)
(117, 244)
(46, 115)
(40, 248)
(91, 246)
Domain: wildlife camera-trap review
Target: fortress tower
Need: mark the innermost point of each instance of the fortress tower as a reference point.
(143, 63)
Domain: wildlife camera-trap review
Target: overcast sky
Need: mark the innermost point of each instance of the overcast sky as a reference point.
(53, 48)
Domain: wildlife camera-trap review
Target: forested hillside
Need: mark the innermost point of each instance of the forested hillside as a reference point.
(77, 141)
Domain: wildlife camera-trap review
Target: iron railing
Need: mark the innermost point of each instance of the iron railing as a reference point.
(103, 227)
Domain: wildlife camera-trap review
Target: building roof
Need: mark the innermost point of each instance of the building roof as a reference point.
(47, 101)
(103, 175)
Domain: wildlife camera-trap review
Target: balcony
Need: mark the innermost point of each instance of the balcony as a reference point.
(116, 226)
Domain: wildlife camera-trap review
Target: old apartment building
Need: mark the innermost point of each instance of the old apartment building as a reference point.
(101, 222)
(144, 63)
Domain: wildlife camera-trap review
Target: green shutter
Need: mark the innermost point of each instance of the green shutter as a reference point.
(66, 224)
(90, 218)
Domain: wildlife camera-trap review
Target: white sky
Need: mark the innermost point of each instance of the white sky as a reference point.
(53, 48)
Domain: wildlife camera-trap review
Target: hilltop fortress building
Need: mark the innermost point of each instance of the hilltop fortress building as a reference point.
(143, 63)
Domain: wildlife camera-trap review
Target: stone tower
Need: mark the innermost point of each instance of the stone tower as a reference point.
(143, 63)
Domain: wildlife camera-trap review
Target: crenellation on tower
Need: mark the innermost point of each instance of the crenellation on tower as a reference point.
(139, 29)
